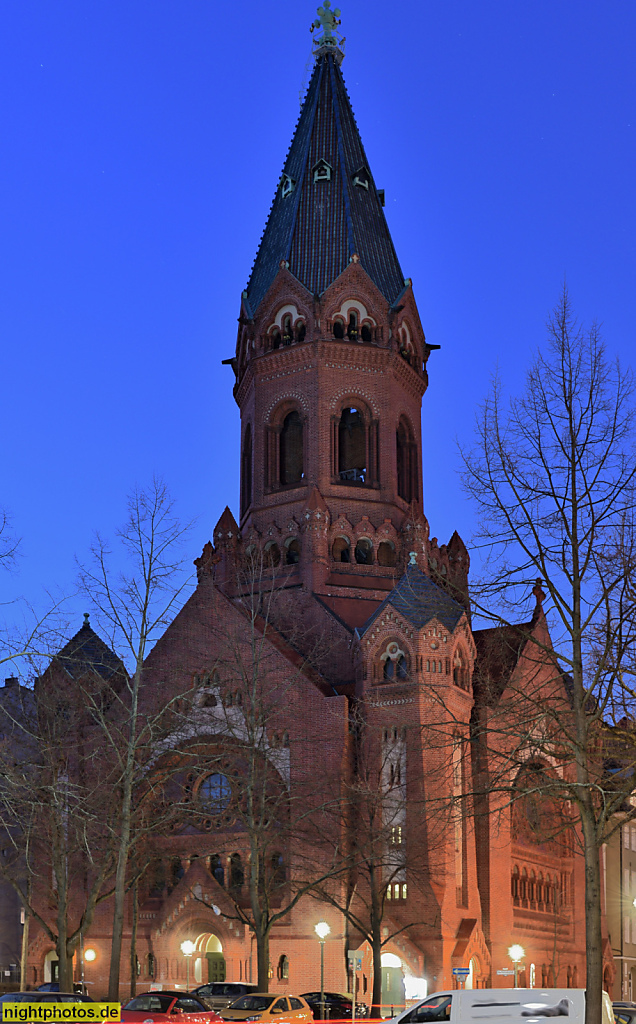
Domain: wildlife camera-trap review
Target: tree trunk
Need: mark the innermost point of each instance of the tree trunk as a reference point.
(118, 915)
(376, 948)
(65, 962)
(25, 952)
(262, 958)
(133, 941)
(593, 945)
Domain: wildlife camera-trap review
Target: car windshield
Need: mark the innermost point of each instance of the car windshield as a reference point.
(150, 1001)
(253, 1003)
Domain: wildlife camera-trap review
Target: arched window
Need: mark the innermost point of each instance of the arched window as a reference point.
(276, 339)
(352, 329)
(237, 875)
(291, 449)
(366, 334)
(352, 448)
(246, 470)
(341, 550)
(272, 554)
(283, 968)
(407, 468)
(292, 551)
(364, 552)
(523, 888)
(216, 869)
(460, 671)
(301, 331)
(338, 329)
(394, 664)
(514, 885)
(278, 873)
(288, 333)
(540, 891)
(151, 965)
(386, 553)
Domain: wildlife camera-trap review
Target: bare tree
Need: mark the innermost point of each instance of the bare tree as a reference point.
(53, 802)
(135, 603)
(244, 767)
(552, 476)
(384, 850)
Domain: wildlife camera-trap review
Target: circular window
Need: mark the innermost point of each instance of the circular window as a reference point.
(215, 793)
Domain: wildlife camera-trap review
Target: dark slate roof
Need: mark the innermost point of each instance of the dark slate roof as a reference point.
(87, 653)
(318, 226)
(419, 600)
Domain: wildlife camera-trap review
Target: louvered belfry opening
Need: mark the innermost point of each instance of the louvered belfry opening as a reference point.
(407, 469)
(352, 447)
(291, 449)
(246, 470)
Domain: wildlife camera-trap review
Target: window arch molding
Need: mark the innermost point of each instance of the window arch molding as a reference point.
(461, 668)
(285, 446)
(354, 444)
(393, 661)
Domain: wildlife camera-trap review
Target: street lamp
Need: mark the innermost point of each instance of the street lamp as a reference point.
(187, 948)
(516, 954)
(322, 930)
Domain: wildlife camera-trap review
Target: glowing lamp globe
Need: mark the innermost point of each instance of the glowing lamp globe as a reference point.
(90, 955)
(188, 947)
(322, 930)
(516, 953)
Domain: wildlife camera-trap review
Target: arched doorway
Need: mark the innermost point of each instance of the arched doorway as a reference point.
(209, 965)
(392, 985)
(51, 966)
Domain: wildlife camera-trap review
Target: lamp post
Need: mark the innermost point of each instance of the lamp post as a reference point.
(187, 948)
(322, 930)
(516, 954)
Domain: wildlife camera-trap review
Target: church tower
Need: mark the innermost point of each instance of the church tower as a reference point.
(330, 370)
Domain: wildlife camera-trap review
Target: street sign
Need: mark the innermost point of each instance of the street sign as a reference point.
(506, 970)
(461, 970)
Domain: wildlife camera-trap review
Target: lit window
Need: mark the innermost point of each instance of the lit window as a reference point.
(396, 835)
(404, 890)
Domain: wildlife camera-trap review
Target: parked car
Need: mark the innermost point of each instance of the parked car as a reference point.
(42, 997)
(516, 1006)
(338, 1005)
(159, 1007)
(624, 1013)
(219, 994)
(268, 1006)
(54, 986)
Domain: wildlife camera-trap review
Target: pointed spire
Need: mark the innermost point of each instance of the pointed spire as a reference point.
(327, 210)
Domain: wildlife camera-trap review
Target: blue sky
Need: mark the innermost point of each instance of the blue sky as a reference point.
(142, 143)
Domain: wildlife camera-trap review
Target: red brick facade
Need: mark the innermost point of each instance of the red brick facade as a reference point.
(329, 388)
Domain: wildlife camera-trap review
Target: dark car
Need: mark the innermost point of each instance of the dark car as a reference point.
(159, 1007)
(42, 997)
(338, 1005)
(54, 986)
(219, 994)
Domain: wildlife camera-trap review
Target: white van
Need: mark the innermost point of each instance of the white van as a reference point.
(504, 1005)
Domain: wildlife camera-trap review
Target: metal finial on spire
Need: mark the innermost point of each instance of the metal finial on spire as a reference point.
(327, 20)
(86, 619)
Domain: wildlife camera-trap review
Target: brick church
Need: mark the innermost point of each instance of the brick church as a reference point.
(372, 624)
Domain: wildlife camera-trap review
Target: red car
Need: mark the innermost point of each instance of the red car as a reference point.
(161, 1007)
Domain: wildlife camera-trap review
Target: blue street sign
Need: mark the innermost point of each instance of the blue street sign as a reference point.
(461, 970)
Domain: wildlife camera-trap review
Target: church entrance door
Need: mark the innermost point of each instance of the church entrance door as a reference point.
(216, 967)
